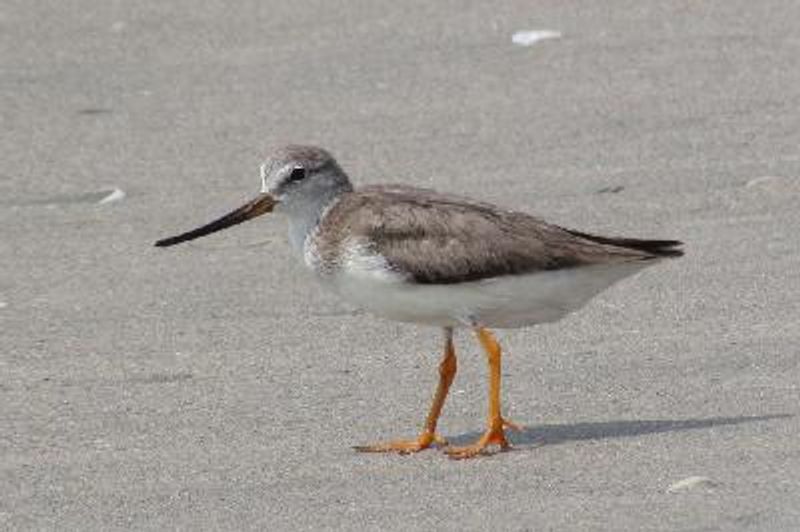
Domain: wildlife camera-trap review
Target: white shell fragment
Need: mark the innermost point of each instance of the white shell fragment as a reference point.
(114, 195)
(775, 183)
(690, 483)
(531, 37)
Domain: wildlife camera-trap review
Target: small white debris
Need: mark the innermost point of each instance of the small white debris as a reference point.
(761, 180)
(114, 195)
(3, 304)
(774, 183)
(118, 26)
(690, 483)
(531, 37)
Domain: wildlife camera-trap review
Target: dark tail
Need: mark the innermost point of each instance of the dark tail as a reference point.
(657, 248)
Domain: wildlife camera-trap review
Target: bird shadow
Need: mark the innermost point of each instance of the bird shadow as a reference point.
(540, 435)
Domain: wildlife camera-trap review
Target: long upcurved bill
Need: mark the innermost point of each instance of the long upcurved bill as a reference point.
(262, 204)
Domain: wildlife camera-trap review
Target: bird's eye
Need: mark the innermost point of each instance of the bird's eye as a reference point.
(298, 174)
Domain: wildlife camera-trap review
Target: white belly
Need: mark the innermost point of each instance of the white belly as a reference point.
(501, 302)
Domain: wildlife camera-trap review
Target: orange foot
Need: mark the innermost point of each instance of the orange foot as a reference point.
(423, 441)
(493, 435)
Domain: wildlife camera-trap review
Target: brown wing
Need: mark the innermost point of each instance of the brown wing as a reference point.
(440, 239)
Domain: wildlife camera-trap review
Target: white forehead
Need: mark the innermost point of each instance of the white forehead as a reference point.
(274, 171)
(264, 168)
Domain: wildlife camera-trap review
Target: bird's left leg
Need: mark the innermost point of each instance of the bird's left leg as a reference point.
(494, 432)
(428, 436)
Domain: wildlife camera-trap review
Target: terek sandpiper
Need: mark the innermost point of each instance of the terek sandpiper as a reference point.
(415, 255)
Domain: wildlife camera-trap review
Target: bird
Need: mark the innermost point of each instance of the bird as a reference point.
(419, 256)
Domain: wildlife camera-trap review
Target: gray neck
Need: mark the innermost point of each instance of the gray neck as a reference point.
(305, 209)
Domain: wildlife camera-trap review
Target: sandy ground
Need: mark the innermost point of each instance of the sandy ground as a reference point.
(213, 386)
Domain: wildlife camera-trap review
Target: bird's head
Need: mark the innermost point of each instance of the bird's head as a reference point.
(299, 175)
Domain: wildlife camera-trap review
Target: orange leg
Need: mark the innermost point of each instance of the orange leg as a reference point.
(428, 436)
(494, 432)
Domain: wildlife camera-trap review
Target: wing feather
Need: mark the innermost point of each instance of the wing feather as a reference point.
(435, 238)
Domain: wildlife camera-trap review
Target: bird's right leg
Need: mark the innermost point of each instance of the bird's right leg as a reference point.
(428, 436)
